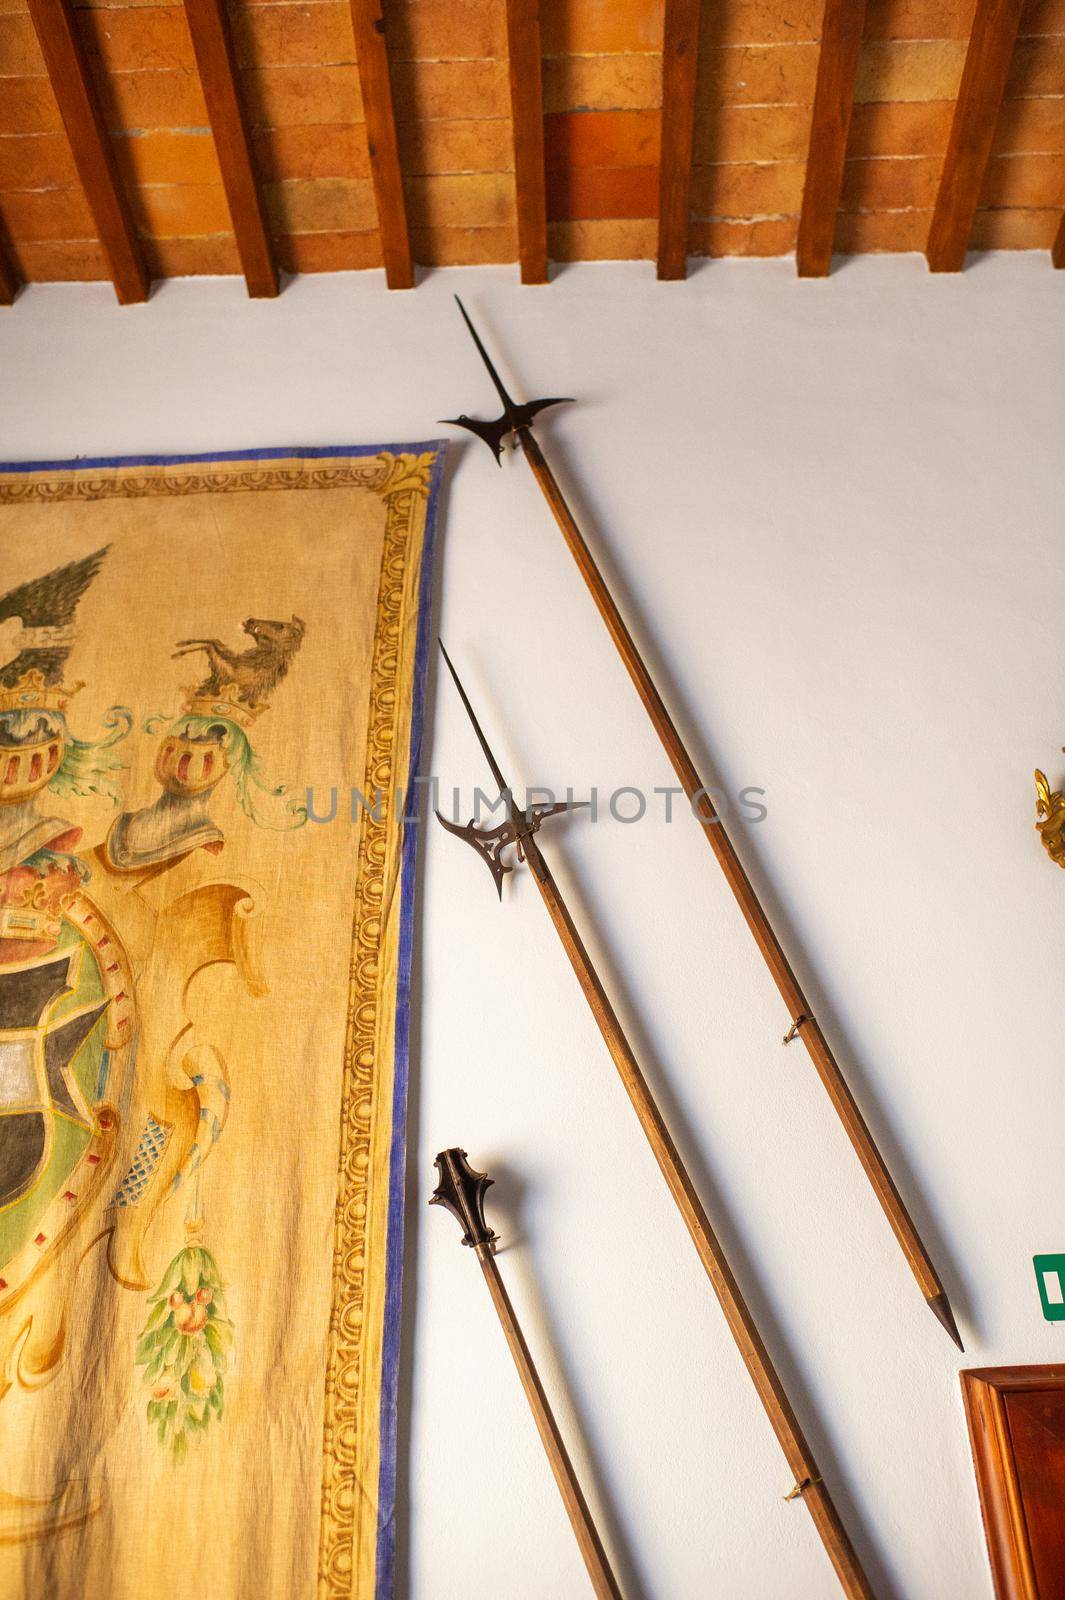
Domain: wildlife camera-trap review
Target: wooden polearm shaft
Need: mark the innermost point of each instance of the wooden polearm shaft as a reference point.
(741, 1324)
(517, 419)
(584, 1529)
(804, 1023)
(777, 1406)
(461, 1190)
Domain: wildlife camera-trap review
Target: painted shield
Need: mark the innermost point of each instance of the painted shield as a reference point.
(52, 1060)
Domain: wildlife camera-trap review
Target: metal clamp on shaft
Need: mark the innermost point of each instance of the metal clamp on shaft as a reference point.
(797, 1025)
(801, 1488)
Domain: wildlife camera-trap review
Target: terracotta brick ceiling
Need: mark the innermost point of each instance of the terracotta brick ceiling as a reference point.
(447, 65)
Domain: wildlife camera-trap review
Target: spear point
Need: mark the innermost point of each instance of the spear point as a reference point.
(504, 787)
(514, 416)
(519, 826)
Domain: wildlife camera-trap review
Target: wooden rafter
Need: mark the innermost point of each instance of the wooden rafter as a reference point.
(8, 278)
(216, 62)
(841, 43)
(371, 54)
(527, 118)
(983, 83)
(1057, 255)
(90, 146)
(680, 59)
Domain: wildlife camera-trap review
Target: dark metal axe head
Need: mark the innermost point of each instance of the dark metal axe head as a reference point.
(490, 843)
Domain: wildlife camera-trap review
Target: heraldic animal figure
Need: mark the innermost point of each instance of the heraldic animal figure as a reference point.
(253, 672)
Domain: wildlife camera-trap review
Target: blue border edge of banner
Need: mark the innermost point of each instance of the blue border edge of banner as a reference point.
(386, 1496)
(300, 452)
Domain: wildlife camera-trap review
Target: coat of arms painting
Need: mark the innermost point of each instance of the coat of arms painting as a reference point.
(212, 677)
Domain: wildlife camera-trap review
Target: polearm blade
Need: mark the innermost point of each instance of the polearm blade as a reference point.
(461, 1191)
(519, 826)
(517, 419)
(808, 1484)
(514, 418)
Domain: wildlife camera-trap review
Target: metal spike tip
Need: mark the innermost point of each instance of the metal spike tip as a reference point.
(508, 403)
(450, 665)
(939, 1306)
(478, 730)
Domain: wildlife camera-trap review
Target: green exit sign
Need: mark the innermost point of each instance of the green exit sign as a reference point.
(1050, 1276)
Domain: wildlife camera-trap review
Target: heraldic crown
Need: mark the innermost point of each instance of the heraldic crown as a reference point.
(31, 693)
(226, 703)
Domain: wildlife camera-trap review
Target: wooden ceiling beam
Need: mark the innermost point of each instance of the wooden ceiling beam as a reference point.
(972, 130)
(837, 67)
(1057, 255)
(680, 60)
(216, 62)
(90, 145)
(524, 64)
(371, 55)
(9, 280)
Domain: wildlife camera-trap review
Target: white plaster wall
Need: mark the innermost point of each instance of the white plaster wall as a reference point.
(838, 506)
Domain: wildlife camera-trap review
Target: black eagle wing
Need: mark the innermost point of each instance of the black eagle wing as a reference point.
(51, 601)
(47, 602)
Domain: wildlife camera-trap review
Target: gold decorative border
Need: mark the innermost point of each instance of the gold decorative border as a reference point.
(405, 491)
(378, 473)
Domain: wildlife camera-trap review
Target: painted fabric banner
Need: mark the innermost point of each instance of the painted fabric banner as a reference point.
(205, 945)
